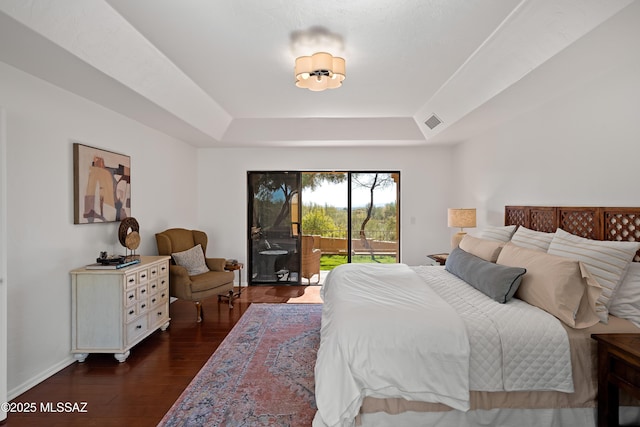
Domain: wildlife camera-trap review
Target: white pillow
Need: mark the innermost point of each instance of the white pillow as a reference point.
(606, 260)
(626, 302)
(192, 259)
(498, 234)
(531, 239)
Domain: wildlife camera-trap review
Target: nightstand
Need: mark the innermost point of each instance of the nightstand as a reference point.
(618, 368)
(440, 259)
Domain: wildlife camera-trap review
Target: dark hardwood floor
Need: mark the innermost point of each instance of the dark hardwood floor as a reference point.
(141, 390)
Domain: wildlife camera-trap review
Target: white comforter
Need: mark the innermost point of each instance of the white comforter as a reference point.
(423, 334)
(386, 334)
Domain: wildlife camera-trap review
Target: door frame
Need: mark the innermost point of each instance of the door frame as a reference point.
(3, 260)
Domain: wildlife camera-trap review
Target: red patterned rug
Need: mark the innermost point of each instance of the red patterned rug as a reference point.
(261, 374)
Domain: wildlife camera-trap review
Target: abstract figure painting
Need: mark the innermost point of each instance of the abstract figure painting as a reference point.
(101, 185)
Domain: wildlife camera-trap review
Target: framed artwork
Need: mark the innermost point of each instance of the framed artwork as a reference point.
(101, 185)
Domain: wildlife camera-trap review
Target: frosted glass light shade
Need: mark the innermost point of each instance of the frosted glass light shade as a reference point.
(319, 71)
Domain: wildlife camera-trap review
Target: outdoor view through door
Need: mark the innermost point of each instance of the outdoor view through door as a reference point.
(303, 224)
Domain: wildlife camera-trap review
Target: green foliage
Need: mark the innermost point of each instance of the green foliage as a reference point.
(316, 221)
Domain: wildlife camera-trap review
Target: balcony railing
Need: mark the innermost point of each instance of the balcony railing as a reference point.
(376, 243)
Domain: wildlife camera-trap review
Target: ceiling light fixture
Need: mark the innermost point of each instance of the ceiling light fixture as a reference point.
(319, 71)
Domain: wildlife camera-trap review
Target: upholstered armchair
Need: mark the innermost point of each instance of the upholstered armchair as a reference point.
(193, 276)
(310, 258)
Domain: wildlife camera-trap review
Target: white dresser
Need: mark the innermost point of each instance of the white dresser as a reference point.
(113, 310)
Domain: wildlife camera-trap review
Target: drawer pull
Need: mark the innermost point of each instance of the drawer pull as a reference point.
(143, 291)
(153, 286)
(138, 326)
(159, 313)
(163, 295)
(143, 275)
(153, 301)
(132, 280)
(131, 312)
(143, 305)
(131, 296)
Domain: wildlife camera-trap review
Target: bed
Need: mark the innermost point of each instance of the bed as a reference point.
(501, 335)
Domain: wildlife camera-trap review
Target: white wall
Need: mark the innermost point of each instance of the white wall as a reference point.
(43, 242)
(579, 148)
(424, 175)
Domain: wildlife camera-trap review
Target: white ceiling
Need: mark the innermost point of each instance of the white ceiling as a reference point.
(220, 72)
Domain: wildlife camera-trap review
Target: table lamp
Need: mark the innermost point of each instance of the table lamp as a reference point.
(460, 218)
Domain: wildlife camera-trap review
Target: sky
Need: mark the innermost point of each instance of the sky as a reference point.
(336, 195)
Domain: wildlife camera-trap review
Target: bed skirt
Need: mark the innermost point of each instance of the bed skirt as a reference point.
(567, 417)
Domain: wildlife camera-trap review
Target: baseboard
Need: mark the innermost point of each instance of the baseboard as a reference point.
(17, 391)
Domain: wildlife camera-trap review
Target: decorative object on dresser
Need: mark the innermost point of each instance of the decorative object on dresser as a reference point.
(113, 310)
(461, 218)
(193, 276)
(129, 236)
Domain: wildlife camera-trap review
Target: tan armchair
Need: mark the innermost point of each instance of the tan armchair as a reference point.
(310, 258)
(194, 288)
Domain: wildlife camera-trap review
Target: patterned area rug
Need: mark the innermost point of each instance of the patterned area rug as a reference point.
(261, 374)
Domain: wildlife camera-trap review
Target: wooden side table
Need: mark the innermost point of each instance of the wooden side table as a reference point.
(618, 369)
(441, 259)
(238, 266)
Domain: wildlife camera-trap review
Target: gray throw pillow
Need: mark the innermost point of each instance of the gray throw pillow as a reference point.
(498, 282)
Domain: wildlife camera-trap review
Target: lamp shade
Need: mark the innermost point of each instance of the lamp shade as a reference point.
(319, 71)
(461, 218)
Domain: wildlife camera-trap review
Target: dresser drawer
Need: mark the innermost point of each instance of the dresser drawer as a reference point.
(163, 268)
(158, 315)
(154, 271)
(163, 283)
(143, 306)
(131, 280)
(131, 312)
(136, 328)
(159, 298)
(143, 275)
(130, 297)
(142, 292)
(153, 287)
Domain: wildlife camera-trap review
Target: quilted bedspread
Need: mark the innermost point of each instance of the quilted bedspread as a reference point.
(514, 346)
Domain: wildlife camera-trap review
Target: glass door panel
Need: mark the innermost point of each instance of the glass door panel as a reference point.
(325, 202)
(375, 217)
(274, 216)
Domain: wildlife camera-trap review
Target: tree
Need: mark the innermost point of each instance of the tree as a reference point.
(316, 221)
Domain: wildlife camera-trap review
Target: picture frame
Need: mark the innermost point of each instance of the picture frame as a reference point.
(101, 185)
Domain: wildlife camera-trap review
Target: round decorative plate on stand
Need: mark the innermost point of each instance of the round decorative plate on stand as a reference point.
(128, 233)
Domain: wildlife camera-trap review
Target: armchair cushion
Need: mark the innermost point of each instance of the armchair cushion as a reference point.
(191, 259)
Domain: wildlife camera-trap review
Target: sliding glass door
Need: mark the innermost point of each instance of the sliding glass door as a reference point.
(303, 224)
